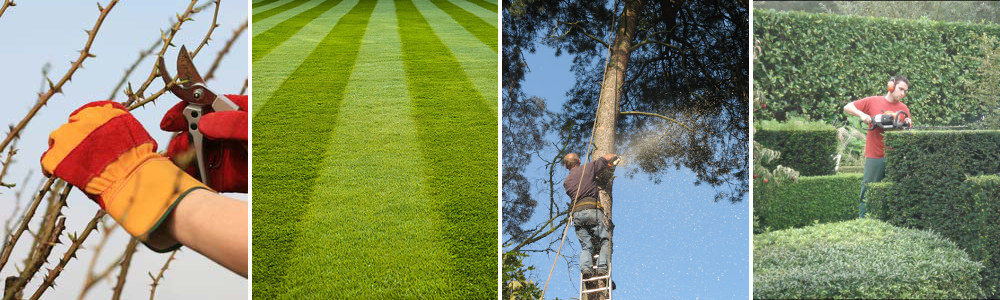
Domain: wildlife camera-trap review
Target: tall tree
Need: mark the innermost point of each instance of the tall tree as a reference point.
(664, 81)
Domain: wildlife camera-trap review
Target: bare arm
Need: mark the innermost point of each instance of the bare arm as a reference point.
(213, 225)
(851, 109)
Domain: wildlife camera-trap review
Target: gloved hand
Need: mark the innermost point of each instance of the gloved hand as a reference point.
(225, 144)
(105, 152)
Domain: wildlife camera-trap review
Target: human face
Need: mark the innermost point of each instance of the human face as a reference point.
(900, 91)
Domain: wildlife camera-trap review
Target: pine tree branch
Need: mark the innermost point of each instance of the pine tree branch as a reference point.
(656, 115)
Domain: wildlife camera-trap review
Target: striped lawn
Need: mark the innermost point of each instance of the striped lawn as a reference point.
(266, 6)
(291, 132)
(271, 71)
(458, 138)
(262, 3)
(483, 31)
(277, 10)
(477, 59)
(376, 155)
(266, 41)
(371, 231)
(263, 25)
(490, 16)
(487, 5)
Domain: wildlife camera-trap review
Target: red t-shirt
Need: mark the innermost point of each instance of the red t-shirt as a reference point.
(874, 146)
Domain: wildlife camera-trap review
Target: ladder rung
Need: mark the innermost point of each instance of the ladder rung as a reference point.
(595, 290)
(597, 278)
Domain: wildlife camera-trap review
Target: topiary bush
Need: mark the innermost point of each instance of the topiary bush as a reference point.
(934, 180)
(807, 147)
(811, 65)
(812, 199)
(862, 258)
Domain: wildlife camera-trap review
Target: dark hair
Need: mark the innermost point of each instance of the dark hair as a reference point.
(900, 78)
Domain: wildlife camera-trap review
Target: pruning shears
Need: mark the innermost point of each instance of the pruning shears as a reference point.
(190, 88)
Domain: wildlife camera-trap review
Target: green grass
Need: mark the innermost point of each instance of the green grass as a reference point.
(483, 31)
(262, 3)
(478, 61)
(266, 41)
(371, 231)
(270, 71)
(291, 133)
(260, 26)
(270, 12)
(457, 132)
(490, 6)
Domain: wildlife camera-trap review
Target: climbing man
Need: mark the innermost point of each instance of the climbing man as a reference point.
(588, 217)
(874, 145)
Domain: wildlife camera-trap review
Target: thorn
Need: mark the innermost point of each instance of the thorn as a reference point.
(151, 276)
(179, 18)
(91, 55)
(99, 7)
(87, 31)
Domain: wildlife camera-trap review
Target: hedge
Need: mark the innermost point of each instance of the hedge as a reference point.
(806, 147)
(864, 258)
(812, 199)
(811, 65)
(934, 181)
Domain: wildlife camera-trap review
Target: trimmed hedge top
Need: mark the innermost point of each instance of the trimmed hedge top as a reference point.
(865, 258)
(812, 65)
(806, 147)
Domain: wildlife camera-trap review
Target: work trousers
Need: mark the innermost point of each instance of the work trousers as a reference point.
(874, 172)
(593, 233)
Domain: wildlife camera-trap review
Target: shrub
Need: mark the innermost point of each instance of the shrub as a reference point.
(863, 258)
(814, 64)
(812, 199)
(806, 147)
(934, 183)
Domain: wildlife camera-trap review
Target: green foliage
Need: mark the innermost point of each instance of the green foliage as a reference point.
(812, 199)
(814, 64)
(862, 258)
(984, 84)
(805, 146)
(927, 187)
(516, 284)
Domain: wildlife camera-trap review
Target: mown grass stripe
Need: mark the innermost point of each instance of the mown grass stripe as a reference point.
(290, 137)
(270, 12)
(266, 41)
(458, 137)
(266, 24)
(262, 3)
(370, 230)
(273, 69)
(478, 61)
(485, 32)
(269, 6)
(483, 14)
(490, 6)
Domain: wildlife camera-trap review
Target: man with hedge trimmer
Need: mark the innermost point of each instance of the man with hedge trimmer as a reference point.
(881, 113)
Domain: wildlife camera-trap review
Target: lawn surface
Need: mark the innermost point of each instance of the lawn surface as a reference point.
(375, 145)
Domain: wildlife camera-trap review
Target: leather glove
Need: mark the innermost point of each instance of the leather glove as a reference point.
(106, 153)
(225, 144)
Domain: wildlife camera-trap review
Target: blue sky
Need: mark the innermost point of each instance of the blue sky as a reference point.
(33, 34)
(671, 239)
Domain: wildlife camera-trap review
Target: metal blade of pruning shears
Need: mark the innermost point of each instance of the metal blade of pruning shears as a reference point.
(190, 88)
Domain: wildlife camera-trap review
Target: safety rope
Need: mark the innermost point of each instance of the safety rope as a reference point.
(590, 146)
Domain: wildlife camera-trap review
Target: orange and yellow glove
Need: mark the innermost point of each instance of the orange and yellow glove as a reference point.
(105, 152)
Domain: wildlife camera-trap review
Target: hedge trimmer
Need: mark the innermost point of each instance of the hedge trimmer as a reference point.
(892, 121)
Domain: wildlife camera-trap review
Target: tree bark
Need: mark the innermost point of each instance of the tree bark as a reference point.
(610, 98)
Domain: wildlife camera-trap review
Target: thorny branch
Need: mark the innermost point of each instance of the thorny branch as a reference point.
(126, 261)
(243, 90)
(50, 278)
(57, 87)
(208, 35)
(222, 53)
(156, 279)
(167, 38)
(6, 4)
(12, 239)
(3, 173)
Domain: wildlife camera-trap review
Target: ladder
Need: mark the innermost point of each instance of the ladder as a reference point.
(603, 283)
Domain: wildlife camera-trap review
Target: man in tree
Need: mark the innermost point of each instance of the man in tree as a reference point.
(588, 216)
(874, 146)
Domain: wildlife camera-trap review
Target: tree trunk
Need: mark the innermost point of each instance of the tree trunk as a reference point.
(610, 98)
